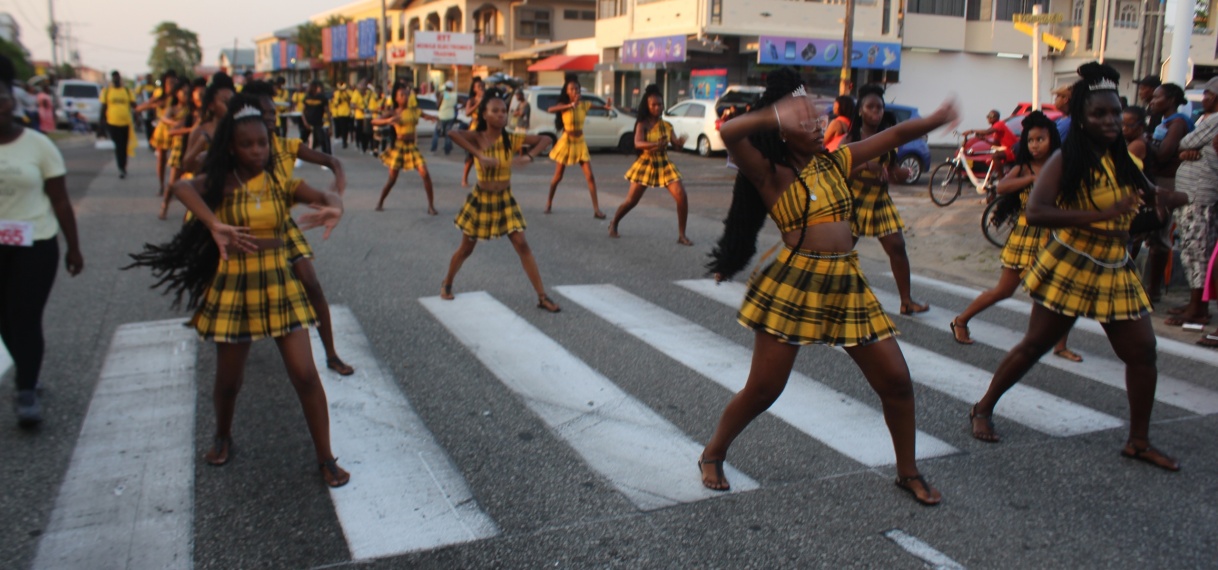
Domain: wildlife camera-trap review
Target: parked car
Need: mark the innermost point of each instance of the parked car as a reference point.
(697, 121)
(738, 96)
(1015, 121)
(427, 104)
(76, 96)
(915, 154)
(603, 128)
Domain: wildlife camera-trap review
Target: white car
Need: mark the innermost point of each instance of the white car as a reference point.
(73, 95)
(603, 128)
(697, 122)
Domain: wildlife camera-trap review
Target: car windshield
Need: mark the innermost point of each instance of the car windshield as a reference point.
(735, 97)
(81, 91)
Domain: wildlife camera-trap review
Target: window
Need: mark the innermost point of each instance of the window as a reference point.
(611, 8)
(1080, 7)
(1127, 15)
(598, 106)
(1006, 9)
(679, 110)
(534, 23)
(578, 15)
(937, 7)
(695, 111)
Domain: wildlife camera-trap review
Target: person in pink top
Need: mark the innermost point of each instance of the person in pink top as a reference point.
(46, 110)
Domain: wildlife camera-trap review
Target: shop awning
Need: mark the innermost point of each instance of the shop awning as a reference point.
(533, 51)
(566, 63)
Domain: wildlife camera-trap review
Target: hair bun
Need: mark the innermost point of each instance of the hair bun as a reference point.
(652, 89)
(1094, 71)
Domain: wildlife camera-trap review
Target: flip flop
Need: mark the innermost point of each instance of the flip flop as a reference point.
(1150, 455)
(718, 463)
(1180, 321)
(342, 368)
(1208, 341)
(1068, 355)
(957, 329)
(904, 484)
(913, 308)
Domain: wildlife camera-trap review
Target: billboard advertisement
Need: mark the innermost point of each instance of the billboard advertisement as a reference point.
(707, 83)
(444, 48)
(781, 50)
(654, 50)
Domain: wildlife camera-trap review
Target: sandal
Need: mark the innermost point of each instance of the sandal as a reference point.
(718, 463)
(1068, 355)
(342, 368)
(957, 329)
(1181, 320)
(446, 291)
(333, 475)
(1208, 341)
(1150, 455)
(987, 436)
(912, 308)
(544, 302)
(684, 241)
(220, 453)
(904, 484)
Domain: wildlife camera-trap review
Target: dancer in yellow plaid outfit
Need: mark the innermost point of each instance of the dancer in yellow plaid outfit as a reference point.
(571, 148)
(815, 291)
(405, 152)
(652, 135)
(162, 100)
(1086, 196)
(490, 211)
(231, 262)
(1039, 139)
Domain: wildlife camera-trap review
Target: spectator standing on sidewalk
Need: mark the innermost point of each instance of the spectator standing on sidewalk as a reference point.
(1061, 100)
(117, 113)
(522, 114)
(446, 100)
(1164, 160)
(27, 98)
(1197, 177)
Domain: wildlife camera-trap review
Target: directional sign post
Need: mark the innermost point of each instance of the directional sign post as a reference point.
(1030, 24)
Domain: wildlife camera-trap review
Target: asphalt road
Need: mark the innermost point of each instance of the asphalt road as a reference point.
(491, 386)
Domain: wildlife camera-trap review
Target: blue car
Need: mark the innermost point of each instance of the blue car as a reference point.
(915, 154)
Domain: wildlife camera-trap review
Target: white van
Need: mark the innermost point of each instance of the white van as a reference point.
(74, 95)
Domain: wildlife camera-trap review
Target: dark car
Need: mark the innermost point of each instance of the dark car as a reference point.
(915, 154)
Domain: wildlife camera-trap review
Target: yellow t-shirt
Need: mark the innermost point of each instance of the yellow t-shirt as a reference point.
(357, 104)
(118, 103)
(373, 103)
(25, 165)
(298, 101)
(341, 104)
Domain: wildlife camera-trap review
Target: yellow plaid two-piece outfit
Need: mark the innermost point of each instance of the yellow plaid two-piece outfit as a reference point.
(653, 168)
(1083, 274)
(160, 138)
(177, 146)
(1025, 242)
(405, 154)
(806, 297)
(570, 149)
(488, 215)
(255, 295)
(875, 215)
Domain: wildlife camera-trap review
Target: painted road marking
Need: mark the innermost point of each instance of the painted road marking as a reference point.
(1171, 346)
(925, 552)
(127, 498)
(1100, 369)
(846, 425)
(405, 493)
(6, 362)
(640, 453)
(1033, 408)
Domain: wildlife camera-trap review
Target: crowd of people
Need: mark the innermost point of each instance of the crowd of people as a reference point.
(243, 266)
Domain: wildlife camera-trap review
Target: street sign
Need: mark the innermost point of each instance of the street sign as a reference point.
(1037, 18)
(444, 48)
(1050, 40)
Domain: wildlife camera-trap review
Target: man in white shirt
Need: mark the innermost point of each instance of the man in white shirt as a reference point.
(447, 113)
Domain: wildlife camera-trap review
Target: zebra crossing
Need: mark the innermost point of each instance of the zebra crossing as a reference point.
(126, 500)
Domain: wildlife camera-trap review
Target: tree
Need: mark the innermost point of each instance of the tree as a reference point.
(308, 40)
(175, 48)
(19, 58)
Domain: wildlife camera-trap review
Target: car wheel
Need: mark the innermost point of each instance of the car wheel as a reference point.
(704, 148)
(914, 165)
(625, 145)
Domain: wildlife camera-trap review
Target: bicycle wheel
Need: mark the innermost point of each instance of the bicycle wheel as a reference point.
(946, 182)
(996, 233)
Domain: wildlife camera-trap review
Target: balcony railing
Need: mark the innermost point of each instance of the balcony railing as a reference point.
(489, 40)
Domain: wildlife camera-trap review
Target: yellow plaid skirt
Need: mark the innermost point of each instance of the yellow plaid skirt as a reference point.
(403, 156)
(253, 296)
(874, 213)
(570, 151)
(160, 139)
(488, 215)
(177, 148)
(295, 243)
(653, 170)
(1081, 274)
(808, 297)
(1023, 245)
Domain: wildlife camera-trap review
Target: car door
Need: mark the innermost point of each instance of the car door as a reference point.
(701, 123)
(598, 128)
(683, 126)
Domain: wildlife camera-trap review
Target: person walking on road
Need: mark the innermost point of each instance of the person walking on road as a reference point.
(163, 100)
(491, 211)
(814, 292)
(184, 117)
(34, 211)
(118, 114)
(477, 91)
(231, 264)
(405, 152)
(316, 111)
(1038, 141)
(875, 214)
(571, 148)
(652, 136)
(446, 101)
(1087, 195)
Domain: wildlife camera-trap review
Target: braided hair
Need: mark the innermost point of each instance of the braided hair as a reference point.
(186, 265)
(747, 213)
(1009, 203)
(1081, 166)
(564, 99)
(886, 120)
(219, 82)
(487, 95)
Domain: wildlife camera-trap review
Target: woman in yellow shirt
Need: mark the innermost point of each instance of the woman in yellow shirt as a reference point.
(405, 152)
(491, 211)
(571, 148)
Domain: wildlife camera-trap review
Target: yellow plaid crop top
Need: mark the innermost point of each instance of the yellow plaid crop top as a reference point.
(407, 121)
(661, 131)
(1105, 193)
(832, 201)
(503, 171)
(573, 118)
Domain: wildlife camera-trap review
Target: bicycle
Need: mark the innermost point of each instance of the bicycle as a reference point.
(996, 233)
(947, 180)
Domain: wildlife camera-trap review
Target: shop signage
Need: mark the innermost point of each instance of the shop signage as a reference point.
(277, 56)
(708, 83)
(654, 50)
(444, 48)
(338, 43)
(398, 53)
(327, 43)
(780, 50)
(352, 41)
(367, 39)
(1037, 18)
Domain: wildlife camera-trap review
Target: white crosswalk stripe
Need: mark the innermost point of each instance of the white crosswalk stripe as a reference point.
(640, 453)
(846, 425)
(405, 493)
(6, 362)
(1025, 405)
(127, 498)
(1106, 371)
(1166, 345)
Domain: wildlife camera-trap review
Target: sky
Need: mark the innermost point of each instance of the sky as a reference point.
(117, 34)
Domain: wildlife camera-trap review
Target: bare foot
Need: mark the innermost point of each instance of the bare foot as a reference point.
(598, 215)
(432, 211)
(547, 210)
(1068, 355)
(684, 241)
(613, 231)
(379, 208)
(446, 291)
(164, 214)
(712, 474)
(465, 183)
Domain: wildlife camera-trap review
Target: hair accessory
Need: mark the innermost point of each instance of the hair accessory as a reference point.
(801, 92)
(245, 112)
(1103, 85)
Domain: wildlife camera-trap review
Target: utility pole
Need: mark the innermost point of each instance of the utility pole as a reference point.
(384, 35)
(232, 62)
(847, 49)
(54, 31)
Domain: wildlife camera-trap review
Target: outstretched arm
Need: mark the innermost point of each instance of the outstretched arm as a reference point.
(327, 208)
(882, 142)
(329, 161)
